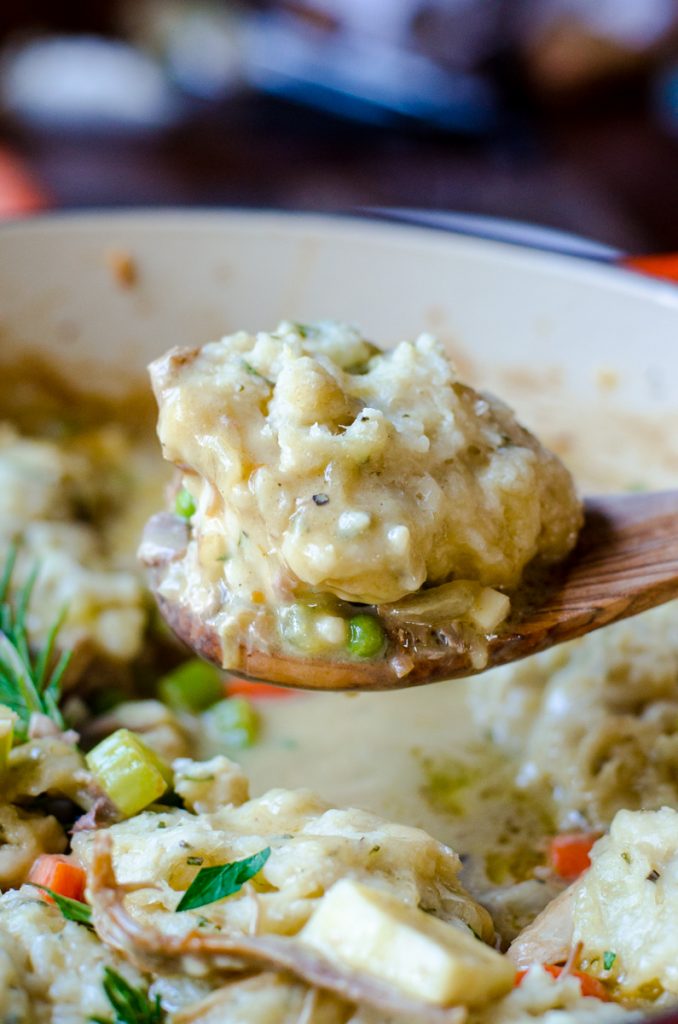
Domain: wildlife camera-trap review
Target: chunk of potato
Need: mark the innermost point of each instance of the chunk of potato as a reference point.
(372, 931)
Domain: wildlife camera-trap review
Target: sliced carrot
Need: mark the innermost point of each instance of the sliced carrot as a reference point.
(60, 874)
(568, 853)
(589, 985)
(257, 691)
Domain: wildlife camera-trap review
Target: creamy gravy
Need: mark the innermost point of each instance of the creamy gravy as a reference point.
(318, 471)
(419, 756)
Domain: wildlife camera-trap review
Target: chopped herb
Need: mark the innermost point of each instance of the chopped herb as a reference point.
(215, 883)
(306, 330)
(248, 368)
(184, 504)
(29, 683)
(195, 861)
(608, 959)
(321, 499)
(72, 910)
(653, 876)
(131, 1005)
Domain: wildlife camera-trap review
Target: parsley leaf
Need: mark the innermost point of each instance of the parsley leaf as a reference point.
(131, 1005)
(215, 883)
(608, 959)
(72, 910)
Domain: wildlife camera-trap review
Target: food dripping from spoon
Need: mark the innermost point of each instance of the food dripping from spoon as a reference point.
(345, 516)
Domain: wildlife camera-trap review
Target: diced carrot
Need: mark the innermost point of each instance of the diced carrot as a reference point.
(257, 691)
(568, 853)
(589, 985)
(60, 874)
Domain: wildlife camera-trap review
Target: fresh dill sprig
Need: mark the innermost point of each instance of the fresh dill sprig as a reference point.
(131, 1005)
(29, 682)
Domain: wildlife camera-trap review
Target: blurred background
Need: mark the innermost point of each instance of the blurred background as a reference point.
(563, 113)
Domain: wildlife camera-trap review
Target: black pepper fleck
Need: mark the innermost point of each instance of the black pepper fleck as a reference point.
(654, 876)
(321, 499)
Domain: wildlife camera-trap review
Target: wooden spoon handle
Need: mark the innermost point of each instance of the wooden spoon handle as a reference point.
(626, 561)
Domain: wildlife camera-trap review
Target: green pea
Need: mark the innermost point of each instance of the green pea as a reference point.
(193, 686)
(366, 637)
(184, 505)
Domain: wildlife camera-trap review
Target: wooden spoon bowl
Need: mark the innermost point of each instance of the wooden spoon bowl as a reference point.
(625, 562)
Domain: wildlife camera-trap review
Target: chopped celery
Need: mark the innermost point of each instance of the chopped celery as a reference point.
(366, 636)
(184, 504)
(130, 773)
(7, 720)
(193, 686)
(235, 722)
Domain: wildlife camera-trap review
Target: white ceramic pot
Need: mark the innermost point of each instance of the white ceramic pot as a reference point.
(199, 274)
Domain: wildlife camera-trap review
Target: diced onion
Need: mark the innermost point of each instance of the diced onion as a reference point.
(438, 605)
(489, 609)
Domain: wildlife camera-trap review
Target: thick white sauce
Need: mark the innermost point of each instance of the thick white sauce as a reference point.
(420, 756)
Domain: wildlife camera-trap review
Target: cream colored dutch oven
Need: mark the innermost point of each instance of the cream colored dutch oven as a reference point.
(105, 293)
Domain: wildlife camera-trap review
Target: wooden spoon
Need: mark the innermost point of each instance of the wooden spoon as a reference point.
(626, 561)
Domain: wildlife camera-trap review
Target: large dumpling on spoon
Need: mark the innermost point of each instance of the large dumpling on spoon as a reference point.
(319, 472)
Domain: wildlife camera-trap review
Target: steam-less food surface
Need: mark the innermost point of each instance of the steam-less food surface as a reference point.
(209, 903)
(319, 474)
(182, 896)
